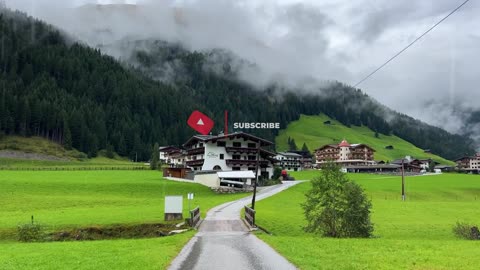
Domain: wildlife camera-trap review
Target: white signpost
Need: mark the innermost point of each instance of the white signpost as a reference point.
(189, 197)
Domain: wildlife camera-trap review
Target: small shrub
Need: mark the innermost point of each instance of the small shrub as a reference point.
(277, 172)
(30, 233)
(466, 231)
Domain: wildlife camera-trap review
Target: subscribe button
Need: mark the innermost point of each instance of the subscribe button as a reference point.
(200, 122)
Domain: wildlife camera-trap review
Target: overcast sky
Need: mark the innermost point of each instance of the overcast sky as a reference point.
(327, 40)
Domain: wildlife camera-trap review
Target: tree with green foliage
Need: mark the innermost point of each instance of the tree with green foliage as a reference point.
(337, 207)
(292, 145)
(67, 136)
(305, 148)
(155, 157)
(277, 172)
(110, 151)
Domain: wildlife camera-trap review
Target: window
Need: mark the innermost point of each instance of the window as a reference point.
(220, 143)
(201, 145)
(251, 169)
(236, 169)
(237, 144)
(236, 157)
(252, 157)
(252, 145)
(222, 156)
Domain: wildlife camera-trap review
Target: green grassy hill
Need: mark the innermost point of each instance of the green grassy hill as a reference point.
(16, 151)
(312, 131)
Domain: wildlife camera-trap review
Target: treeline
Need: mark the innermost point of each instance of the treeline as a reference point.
(74, 95)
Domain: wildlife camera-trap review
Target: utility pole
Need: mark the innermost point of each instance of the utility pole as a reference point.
(256, 175)
(403, 181)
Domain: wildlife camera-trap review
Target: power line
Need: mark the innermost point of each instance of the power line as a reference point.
(409, 45)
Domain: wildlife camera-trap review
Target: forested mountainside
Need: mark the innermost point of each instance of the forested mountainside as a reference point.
(81, 98)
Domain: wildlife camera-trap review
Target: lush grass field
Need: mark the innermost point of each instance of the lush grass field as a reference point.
(416, 234)
(153, 253)
(312, 131)
(84, 198)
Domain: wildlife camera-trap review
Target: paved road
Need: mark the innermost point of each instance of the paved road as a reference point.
(224, 242)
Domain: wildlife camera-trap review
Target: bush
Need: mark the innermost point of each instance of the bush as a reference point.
(277, 172)
(336, 206)
(30, 233)
(466, 231)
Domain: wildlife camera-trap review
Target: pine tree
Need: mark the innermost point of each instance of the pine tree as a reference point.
(293, 145)
(155, 157)
(305, 148)
(67, 136)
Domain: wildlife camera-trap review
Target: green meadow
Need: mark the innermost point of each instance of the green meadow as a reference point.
(62, 200)
(415, 234)
(312, 131)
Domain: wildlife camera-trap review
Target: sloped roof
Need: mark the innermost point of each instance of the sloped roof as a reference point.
(344, 143)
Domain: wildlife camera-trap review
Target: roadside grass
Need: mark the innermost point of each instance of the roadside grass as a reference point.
(416, 234)
(62, 200)
(312, 131)
(81, 198)
(153, 253)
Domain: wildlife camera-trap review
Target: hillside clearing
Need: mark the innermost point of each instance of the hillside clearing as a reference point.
(312, 131)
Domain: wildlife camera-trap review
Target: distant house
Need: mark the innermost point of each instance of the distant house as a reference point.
(289, 161)
(176, 158)
(444, 168)
(469, 163)
(410, 164)
(427, 162)
(328, 122)
(345, 154)
(307, 158)
(389, 147)
(378, 168)
(164, 152)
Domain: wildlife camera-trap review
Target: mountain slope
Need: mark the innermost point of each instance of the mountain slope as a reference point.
(313, 131)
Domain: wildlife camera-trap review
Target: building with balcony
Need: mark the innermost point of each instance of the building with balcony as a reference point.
(469, 163)
(289, 161)
(165, 152)
(345, 154)
(233, 152)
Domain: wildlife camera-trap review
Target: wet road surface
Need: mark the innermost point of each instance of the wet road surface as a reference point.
(224, 242)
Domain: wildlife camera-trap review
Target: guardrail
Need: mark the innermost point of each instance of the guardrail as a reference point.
(194, 217)
(250, 216)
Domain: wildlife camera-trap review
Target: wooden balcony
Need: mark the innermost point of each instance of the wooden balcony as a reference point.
(192, 163)
(196, 151)
(241, 150)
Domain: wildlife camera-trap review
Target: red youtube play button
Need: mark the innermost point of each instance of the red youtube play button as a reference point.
(200, 122)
